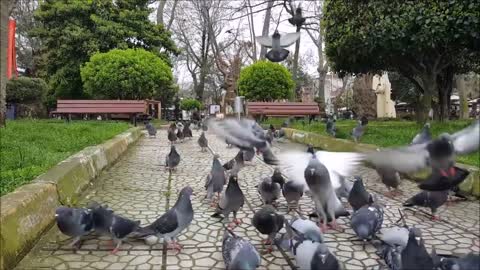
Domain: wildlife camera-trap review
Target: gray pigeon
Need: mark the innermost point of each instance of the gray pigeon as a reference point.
(231, 201)
(215, 180)
(203, 142)
(120, 228)
(392, 255)
(292, 192)
(269, 191)
(367, 221)
(358, 131)
(394, 240)
(74, 222)
(439, 154)
(395, 236)
(277, 177)
(268, 222)
(424, 136)
(415, 255)
(172, 222)
(345, 187)
(102, 217)
(152, 132)
(248, 154)
(391, 179)
(239, 253)
(277, 42)
(172, 136)
(469, 261)
(297, 19)
(172, 159)
(187, 132)
(359, 195)
(236, 164)
(429, 199)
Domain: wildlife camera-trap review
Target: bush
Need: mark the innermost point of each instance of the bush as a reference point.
(127, 74)
(265, 81)
(25, 89)
(190, 104)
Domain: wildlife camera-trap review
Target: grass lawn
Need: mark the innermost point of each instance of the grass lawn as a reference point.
(386, 133)
(30, 147)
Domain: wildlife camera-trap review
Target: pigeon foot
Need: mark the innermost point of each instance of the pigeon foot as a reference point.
(237, 221)
(114, 251)
(435, 218)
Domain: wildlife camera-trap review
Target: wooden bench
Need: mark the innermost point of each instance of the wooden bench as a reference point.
(130, 108)
(294, 109)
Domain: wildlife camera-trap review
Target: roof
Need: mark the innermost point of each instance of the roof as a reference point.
(283, 108)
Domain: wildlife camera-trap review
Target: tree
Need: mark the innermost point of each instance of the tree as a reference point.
(420, 39)
(265, 81)
(190, 104)
(127, 74)
(72, 30)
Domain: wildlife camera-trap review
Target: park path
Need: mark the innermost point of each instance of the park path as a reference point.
(138, 187)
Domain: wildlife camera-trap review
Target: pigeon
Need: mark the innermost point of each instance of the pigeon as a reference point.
(203, 142)
(430, 199)
(173, 159)
(269, 190)
(180, 134)
(367, 221)
(310, 149)
(268, 222)
(215, 180)
(172, 136)
(321, 173)
(152, 132)
(469, 261)
(172, 222)
(187, 132)
(359, 195)
(345, 187)
(392, 255)
(297, 20)
(231, 201)
(235, 164)
(74, 222)
(277, 177)
(358, 131)
(395, 236)
(437, 181)
(248, 154)
(306, 244)
(439, 154)
(244, 134)
(424, 136)
(239, 253)
(277, 42)
(292, 192)
(415, 255)
(330, 127)
(120, 228)
(204, 126)
(391, 179)
(102, 217)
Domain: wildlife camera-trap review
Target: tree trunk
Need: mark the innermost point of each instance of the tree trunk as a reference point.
(3, 58)
(295, 66)
(252, 32)
(322, 74)
(429, 84)
(460, 85)
(161, 7)
(266, 27)
(445, 86)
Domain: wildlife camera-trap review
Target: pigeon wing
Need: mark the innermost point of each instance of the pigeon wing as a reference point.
(467, 140)
(168, 222)
(339, 164)
(405, 160)
(288, 39)
(264, 41)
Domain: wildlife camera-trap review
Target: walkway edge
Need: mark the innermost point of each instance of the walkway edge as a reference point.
(29, 210)
(471, 185)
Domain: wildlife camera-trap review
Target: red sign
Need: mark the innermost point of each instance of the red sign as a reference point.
(11, 53)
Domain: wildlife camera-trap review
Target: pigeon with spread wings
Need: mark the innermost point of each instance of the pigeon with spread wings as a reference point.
(277, 42)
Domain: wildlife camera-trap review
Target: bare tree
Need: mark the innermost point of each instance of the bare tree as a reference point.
(266, 26)
(169, 8)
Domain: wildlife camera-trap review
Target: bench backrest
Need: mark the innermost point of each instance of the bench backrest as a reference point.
(282, 108)
(101, 106)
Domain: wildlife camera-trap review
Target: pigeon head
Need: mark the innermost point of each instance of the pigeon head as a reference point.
(358, 179)
(322, 251)
(276, 171)
(172, 149)
(233, 178)
(416, 234)
(276, 34)
(426, 126)
(217, 156)
(449, 264)
(186, 191)
(310, 149)
(63, 212)
(246, 259)
(442, 155)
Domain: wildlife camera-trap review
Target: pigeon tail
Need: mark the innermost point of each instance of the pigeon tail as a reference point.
(142, 232)
(408, 203)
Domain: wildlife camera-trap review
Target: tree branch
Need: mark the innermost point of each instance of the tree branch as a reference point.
(172, 15)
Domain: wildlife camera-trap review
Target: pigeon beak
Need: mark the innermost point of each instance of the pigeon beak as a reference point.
(312, 171)
(56, 215)
(323, 258)
(418, 239)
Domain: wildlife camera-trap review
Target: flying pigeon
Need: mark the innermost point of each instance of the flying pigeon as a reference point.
(321, 174)
(439, 154)
(231, 201)
(244, 134)
(239, 253)
(429, 199)
(235, 164)
(292, 192)
(391, 179)
(172, 136)
(424, 136)
(437, 181)
(152, 132)
(358, 131)
(277, 42)
(297, 20)
(330, 127)
(415, 255)
(268, 222)
(203, 142)
(215, 180)
(120, 228)
(187, 132)
(172, 222)
(367, 221)
(359, 195)
(74, 222)
(269, 190)
(172, 159)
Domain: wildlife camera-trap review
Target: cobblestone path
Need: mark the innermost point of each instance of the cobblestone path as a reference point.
(138, 187)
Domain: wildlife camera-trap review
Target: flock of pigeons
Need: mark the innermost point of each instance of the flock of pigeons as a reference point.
(322, 175)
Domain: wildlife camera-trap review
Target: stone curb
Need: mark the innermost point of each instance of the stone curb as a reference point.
(28, 211)
(470, 186)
